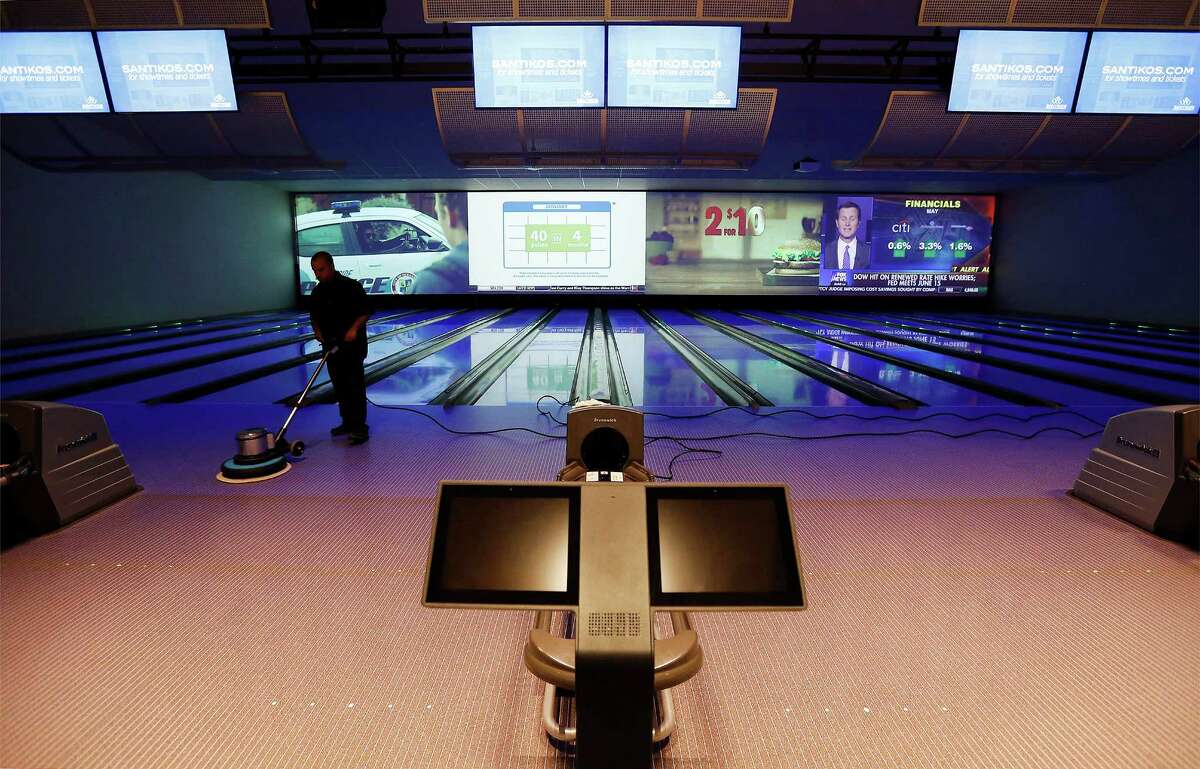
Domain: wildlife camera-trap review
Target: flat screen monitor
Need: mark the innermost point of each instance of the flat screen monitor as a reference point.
(1016, 71)
(682, 67)
(50, 72)
(501, 545)
(178, 70)
(1141, 73)
(542, 66)
(722, 547)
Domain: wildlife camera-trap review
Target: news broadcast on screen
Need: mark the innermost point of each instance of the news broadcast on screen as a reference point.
(672, 243)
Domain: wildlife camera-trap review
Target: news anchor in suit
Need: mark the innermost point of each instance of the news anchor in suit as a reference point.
(847, 251)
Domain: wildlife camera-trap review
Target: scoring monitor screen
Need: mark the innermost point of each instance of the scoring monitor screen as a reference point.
(168, 70)
(50, 72)
(679, 243)
(721, 547)
(498, 545)
(543, 66)
(679, 66)
(1016, 71)
(1141, 73)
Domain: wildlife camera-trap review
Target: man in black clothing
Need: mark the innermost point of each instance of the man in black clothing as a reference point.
(339, 315)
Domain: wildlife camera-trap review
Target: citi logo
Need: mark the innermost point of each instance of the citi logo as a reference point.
(604, 419)
(1150, 450)
(77, 442)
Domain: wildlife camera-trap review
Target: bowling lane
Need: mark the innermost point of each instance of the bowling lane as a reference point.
(132, 340)
(1024, 383)
(1138, 329)
(921, 387)
(133, 354)
(160, 385)
(781, 384)
(150, 358)
(270, 388)
(1048, 346)
(419, 383)
(1176, 342)
(657, 375)
(1073, 341)
(545, 367)
(1164, 390)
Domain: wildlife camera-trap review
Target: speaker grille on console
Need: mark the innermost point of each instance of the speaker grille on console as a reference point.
(915, 125)
(562, 130)
(917, 134)
(612, 10)
(734, 10)
(224, 13)
(555, 9)
(652, 9)
(1069, 14)
(262, 126)
(990, 136)
(645, 130)
(135, 13)
(45, 14)
(1137, 13)
(964, 12)
(739, 131)
(462, 10)
(1073, 136)
(487, 138)
(466, 130)
(615, 624)
(1056, 13)
(1148, 136)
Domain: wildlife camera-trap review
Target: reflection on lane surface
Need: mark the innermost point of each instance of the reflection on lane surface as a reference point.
(545, 367)
(422, 381)
(664, 379)
(780, 383)
(890, 375)
(275, 386)
(980, 370)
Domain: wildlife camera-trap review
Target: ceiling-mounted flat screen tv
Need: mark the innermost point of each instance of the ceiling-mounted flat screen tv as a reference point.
(1141, 73)
(175, 70)
(50, 72)
(542, 66)
(1016, 71)
(682, 67)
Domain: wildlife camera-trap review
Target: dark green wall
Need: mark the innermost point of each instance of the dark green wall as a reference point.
(1126, 248)
(84, 251)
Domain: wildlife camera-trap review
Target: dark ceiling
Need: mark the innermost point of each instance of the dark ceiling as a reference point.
(384, 134)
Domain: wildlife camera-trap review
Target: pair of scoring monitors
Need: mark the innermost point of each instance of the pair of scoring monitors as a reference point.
(709, 547)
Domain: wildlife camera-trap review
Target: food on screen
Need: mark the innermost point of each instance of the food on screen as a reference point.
(672, 242)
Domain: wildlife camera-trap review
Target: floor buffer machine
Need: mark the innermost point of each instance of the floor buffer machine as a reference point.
(263, 455)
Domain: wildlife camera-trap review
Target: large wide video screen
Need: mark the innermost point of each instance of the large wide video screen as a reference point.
(50, 72)
(1141, 73)
(674, 243)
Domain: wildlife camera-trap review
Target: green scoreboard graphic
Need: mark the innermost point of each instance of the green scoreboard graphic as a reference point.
(561, 235)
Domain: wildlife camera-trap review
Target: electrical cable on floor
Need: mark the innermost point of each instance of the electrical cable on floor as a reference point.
(452, 431)
(846, 415)
(687, 450)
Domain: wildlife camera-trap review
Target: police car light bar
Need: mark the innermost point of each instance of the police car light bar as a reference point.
(346, 207)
